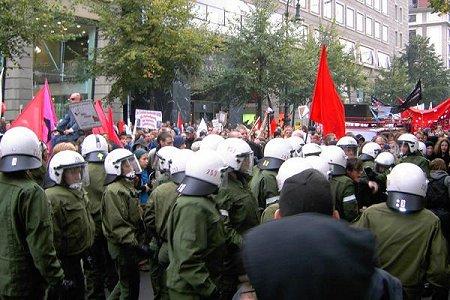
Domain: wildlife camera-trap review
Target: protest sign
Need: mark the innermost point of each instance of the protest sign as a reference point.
(85, 114)
(150, 119)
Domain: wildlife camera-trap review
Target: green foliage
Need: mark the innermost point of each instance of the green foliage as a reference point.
(260, 61)
(418, 61)
(24, 22)
(147, 42)
(442, 6)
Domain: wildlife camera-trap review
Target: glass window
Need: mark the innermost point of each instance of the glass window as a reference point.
(401, 15)
(413, 33)
(384, 61)
(385, 34)
(64, 65)
(400, 40)
(377, 30)
(316, 35)
(366, 55)
(232, 18)
(327, 13)
(396, 38)
(314, 6)
(384, 6)
(340, 9)
(216, 15)
(350, 18)
(349, 47)
(412, 18)
(396, 12)
(303, 3)
(369, 3)
(369, 30)
(360, 22)
(377, 4)
(199, 11)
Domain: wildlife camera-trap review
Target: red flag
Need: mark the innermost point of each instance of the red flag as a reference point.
(32, 115)
(112, 135)
(107, 124)
(180, 122)
(327, 107)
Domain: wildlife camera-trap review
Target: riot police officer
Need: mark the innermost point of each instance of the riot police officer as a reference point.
(28, 259)
(410, 241)
(73, 226)
(263, 183)
(409, 152)
(102, 273)
(349, 145)
(368, 153)
(122, 221)
(197, 237)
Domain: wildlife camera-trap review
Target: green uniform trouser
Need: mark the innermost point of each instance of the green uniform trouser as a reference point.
(71, 266)
(129, 277)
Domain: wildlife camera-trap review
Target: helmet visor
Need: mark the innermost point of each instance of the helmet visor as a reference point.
(130, 165)
(76, 176)
(247, 163)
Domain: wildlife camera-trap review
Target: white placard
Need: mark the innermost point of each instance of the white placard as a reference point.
(150, 119)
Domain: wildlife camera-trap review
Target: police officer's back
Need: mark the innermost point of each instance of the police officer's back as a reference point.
(28, 259)
(410, 241)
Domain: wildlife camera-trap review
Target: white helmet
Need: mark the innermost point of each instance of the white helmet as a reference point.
(211, 141)
(409, 139)
(370, 151)
(276, 152)
(347, 141)
(66, 160)
(114, 162)
(311, 149)
(291, 167)
(237, 154)
(204, 174)
(336, 158)
(297, 143)
(165, 156)
(94, 148)
(320, 164)
(21, 150)
(422, 148)
(385, 159)
(178, 166)
(406, 186)
(196, 146)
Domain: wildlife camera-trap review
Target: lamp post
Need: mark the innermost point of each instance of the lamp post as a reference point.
(297, 18)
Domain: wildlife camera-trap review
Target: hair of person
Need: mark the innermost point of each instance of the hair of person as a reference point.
(62, 147)
(163, 136)
(438, 164)
(437, 147)
(354, 164)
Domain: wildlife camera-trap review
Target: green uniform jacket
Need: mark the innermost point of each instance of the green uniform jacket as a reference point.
(418, 160)
(410, 246)
(343, 192)
(27, 255)
(264, 185)
(95, 191)
(269, 212)
(237, 199)
(197, 241)
(157, 213)
(73, 227)
(120, 215)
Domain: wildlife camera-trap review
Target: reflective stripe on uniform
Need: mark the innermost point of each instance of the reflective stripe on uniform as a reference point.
(223, 212)
(272, 200)
(349, 198)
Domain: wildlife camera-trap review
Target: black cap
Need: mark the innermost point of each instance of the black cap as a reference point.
(360, 137)
(300, 194)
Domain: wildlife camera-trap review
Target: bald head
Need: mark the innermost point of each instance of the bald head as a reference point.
(75, 98)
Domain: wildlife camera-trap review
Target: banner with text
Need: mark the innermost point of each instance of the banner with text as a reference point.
(150, 119)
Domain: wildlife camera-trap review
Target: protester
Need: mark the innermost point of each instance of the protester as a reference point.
(68, 127)
(143, 183)
(442, 150)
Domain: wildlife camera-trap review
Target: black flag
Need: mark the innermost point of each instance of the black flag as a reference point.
(412, 100)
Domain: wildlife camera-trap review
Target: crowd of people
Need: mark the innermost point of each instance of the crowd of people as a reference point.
(225, 215)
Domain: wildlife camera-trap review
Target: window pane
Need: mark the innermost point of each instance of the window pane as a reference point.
(327, 9)
(377, 30)
(199, 11)
(384, 6)
(303, 3)
(384, 61)
(369, 3)
(349, 47)
(412, 18)
(385, 34)
(360, 22)
(350, 18)
(369, 26)
(377, 4)
(366, 55)
(216, 15)
(339, 13)
(314, 6)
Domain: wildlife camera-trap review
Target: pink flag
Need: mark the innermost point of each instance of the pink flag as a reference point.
(48, 113)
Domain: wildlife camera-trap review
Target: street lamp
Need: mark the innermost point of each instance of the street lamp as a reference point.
(297, 18)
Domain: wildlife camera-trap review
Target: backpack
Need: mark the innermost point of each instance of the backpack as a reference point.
(437, 194)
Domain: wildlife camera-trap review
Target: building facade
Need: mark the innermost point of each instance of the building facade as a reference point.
(435, 26)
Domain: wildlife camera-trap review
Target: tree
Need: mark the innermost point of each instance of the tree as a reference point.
(423, 63)
(442, 6)
(261, 59)
(392, 83)
(417, 61)
(147, 43)
(24, 22)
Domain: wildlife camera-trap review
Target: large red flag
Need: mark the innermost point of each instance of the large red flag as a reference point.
(32, 115)
(107, 124)
(327, 107)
